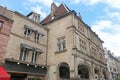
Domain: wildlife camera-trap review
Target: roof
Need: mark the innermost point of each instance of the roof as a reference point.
(62, 9)
(112, 56)
(3, 73)
(31, 14)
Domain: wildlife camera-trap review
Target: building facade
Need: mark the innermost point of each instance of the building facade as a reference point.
(113, 64)
(5, 28)
(61, 47)
(26, 48)
(74, 50)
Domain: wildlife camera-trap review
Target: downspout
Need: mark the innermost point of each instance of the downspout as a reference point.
(47, 48)
(47, 76)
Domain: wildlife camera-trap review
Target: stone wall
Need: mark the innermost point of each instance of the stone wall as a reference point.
(4, 31)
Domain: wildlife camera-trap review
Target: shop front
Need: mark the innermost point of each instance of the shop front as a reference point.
(25, 71)
(3, 74)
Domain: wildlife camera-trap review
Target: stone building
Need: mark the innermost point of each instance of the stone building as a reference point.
(74, 50)
(25, 57)
(5, 28)
(113, 64)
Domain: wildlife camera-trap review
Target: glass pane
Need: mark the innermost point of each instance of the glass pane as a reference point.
(1, 24)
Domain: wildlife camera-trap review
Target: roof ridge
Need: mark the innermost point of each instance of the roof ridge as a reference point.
(61, 9)
(66, 7)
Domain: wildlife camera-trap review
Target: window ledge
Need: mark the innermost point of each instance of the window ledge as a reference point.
(57, 52)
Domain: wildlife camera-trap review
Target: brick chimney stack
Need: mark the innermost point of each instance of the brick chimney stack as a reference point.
(53, 9)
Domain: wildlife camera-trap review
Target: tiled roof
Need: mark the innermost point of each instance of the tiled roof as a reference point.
(62, 9)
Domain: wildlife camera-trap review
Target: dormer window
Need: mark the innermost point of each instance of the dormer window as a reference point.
(35, 18)
(52, 17)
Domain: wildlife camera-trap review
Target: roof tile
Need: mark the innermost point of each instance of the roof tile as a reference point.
(62, 9)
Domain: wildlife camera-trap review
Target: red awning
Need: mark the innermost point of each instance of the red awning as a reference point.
(3, 74)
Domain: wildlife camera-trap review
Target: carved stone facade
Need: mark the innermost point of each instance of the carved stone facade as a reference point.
(113, 64)
(74, 50)
(62, 48)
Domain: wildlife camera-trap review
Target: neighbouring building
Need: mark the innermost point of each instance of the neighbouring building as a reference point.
(74, 50)
(5, 28)
(113, 64)
(25, 58)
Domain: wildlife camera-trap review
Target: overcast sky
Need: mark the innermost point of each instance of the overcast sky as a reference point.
(103, 16)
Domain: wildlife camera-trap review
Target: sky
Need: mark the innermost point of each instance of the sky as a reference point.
(103, 16)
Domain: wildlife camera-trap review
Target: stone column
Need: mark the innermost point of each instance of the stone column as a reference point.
(75, 66)
(92, 74)
(101, 73)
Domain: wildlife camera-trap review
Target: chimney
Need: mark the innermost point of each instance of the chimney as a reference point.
(53, 10)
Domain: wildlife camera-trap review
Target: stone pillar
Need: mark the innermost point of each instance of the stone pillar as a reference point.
(75, 66)
(92, 74)
(72, 70)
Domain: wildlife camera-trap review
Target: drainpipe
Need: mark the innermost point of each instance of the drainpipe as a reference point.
(47, 47)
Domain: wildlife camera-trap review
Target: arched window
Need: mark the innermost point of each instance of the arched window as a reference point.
(105, 75)
(96, 71)
(64, 71)
(83, 72)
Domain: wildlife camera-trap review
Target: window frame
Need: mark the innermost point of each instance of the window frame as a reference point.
(35, 18)
(61, 44)
(82, 46)
(35, 56)
(37, 37)
(27, 32)
(23, 54)
(1, 25)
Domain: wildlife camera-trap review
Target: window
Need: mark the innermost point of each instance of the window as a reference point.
(37, 36)
(27, 31)
(101, 56)
(29, 54)
(80, 27)
(23, 54)
(64, 71)
(83, 46)
(35, 18)
(1, 23)
(83, 72)
(94, 52)
(35, 56)
(61, 44)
